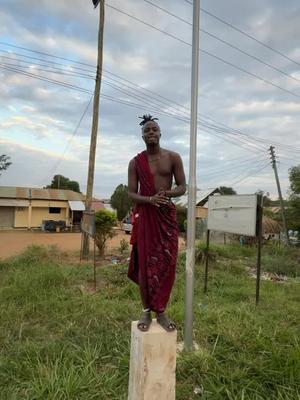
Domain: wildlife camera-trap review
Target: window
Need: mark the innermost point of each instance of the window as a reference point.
(54, 210)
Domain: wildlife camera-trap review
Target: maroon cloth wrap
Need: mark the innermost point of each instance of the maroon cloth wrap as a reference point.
(154, 242)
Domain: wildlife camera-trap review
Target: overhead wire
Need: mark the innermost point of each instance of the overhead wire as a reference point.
(70, 139)
(253, 75)
(223, 41)
(166, 101)
(246, 34)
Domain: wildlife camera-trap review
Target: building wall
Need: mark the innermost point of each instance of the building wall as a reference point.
(42, 213)
(201, 212)
(21, 217)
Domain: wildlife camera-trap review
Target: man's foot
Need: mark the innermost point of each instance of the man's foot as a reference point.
(145, 321)
(165, 322)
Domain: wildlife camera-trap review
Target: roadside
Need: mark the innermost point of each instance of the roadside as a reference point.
(13, 242)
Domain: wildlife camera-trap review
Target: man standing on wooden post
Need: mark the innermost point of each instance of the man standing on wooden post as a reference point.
(155, 231)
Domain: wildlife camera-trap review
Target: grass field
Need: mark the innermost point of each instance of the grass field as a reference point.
(60, 340)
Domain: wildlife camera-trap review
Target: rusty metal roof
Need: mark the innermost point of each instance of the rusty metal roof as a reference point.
(12, 192)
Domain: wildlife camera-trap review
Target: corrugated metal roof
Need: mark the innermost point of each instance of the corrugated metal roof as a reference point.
(76, 205)
(11, 192)
(14, 203)
(201, 197)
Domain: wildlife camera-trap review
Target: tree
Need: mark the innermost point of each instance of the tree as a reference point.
(4, 162)
(226, 190)
(61, 182)
(105, 221)
(293, 212)
(120, 201)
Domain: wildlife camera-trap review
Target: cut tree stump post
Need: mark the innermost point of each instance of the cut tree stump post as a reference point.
(152, 363)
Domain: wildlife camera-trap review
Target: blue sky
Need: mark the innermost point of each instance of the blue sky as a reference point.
(244, 105)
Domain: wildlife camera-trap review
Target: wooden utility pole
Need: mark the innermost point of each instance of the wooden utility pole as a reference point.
(91, 170)
(273, 158)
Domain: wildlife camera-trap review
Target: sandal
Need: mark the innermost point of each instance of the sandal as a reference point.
(165, 322)
(145, 321)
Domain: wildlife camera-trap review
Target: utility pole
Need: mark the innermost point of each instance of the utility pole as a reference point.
(93, 144)
(192, 187)
(273, 159)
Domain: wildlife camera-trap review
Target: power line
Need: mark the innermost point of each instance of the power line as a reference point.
(241, 69)
(164, 99)
(224, 42)
(71, 138)
(250, 175)
(246, 34)
(142, 106)
(167, 101)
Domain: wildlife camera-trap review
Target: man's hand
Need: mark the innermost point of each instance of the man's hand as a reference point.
(159, 198)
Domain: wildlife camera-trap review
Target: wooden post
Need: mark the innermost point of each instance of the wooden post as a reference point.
(152, 363)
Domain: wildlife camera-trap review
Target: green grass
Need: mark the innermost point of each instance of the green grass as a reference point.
(59, 340)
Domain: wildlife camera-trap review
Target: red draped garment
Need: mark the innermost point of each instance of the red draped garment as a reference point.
(154, 242)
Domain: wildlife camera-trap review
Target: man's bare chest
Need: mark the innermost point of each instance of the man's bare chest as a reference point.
(161, 167)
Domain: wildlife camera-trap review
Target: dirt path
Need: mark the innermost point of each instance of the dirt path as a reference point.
(13, 242)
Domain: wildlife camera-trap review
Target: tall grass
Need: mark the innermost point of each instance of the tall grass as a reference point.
(60, 342)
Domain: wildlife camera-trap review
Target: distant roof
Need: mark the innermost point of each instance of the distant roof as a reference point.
(201, 197)
(97, 205)
(12, 192)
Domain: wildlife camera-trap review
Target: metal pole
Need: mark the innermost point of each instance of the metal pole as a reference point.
(206, 261)
(91, 170)
(259, 240)
(279, 194)
(192, 188)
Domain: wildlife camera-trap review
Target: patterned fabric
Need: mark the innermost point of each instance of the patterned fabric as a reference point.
(154, 243)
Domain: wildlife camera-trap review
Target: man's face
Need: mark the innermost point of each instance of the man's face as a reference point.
(151, 133)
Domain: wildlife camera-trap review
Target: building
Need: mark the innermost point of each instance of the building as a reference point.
(201, 199)
(28, 207)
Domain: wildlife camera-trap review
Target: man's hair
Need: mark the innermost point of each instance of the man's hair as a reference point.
(146, 118)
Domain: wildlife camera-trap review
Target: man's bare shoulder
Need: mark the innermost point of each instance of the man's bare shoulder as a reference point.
(172, 154)
(132, 163)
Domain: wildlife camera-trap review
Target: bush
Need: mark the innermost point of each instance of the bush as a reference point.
(105, 221)
(124, 246)
(181, 213)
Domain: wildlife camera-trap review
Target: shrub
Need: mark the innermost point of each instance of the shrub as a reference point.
(124, 246)
(105, 221)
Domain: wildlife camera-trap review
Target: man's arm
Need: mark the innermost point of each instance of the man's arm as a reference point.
(179, 176)
(155, 200)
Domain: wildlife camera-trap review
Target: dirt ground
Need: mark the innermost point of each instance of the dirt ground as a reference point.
(13, 242)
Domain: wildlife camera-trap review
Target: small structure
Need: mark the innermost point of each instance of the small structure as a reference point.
(152, 363)
(22, 207)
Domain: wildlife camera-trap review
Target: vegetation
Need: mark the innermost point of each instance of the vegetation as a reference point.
(61, 182)
(4, 162)
(120, 201)
(57, 341)
(226, 190)
(294, 209)
(105, 221)
(181, 212)
(124, 246)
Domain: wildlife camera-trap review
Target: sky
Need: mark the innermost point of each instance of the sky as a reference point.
(249, 89)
